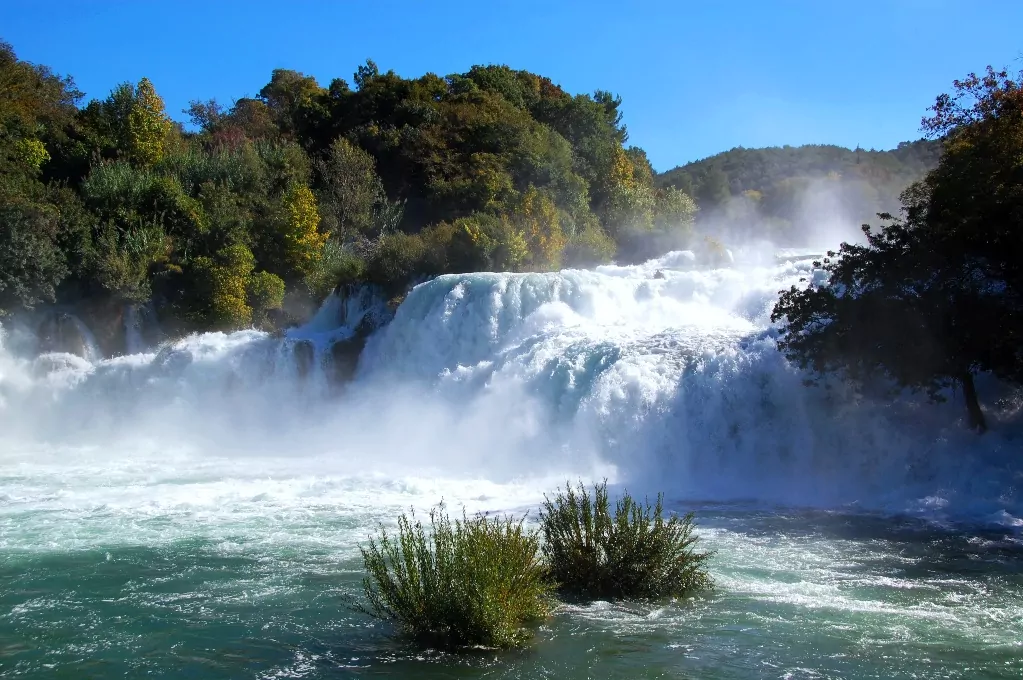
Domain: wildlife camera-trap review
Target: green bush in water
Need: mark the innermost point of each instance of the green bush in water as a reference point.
(632, 554)
(477, 581)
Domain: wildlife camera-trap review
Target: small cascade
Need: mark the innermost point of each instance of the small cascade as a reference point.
(334, 338)
(63, 332)
(142, 330)
(134, 343)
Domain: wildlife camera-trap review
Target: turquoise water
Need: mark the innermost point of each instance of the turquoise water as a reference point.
(799, 595)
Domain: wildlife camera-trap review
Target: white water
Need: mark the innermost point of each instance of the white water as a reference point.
(486, 390)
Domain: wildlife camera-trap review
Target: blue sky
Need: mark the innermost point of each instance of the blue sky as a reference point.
(696, 77)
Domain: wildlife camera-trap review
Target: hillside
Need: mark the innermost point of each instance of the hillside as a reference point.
(255, 214)
(785, 193)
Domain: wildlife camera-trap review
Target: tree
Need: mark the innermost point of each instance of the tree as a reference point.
(148, 125)
(294, 100)
(221, 288)
(536, 219)
(265, 293)
(297, 240)
(714, 189)
(31, 265)
(629, 202)
(610, 104)
(674, 210)
(351, 188)
(36, 109)
(205, 115)
(936, 297)
(248, 120)
(366, 73)
(132, 119)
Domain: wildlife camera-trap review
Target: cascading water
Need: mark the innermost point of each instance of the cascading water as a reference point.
(670, 373)
(226, 476)
(63, 332)
(141, 330)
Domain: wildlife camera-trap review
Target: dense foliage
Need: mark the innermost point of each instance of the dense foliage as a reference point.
(783, 193)
(633, 552)
(474, 581)
(268, 204)
(936, 297)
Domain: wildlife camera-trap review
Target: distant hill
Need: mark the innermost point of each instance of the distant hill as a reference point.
(787, 193)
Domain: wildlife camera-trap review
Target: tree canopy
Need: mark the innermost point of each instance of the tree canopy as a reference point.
(935, 297)
(305, 187)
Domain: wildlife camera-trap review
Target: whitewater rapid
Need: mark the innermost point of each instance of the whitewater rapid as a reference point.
(486, 390)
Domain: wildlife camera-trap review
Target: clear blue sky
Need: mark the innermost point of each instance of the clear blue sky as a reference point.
(697, 77)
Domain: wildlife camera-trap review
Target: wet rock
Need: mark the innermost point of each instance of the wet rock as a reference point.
(305, 355)
(344, 358)
(63, 332)
(105, 318)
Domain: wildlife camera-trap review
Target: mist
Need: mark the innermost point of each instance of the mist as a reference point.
(489, 389)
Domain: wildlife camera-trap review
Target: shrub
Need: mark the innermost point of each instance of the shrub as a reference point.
(338, 265)
(117, 186)
(634, 553)
(31, 266)
(588, 247)
(398, 258)
(473, 582)
(265, 292)
(220, 288)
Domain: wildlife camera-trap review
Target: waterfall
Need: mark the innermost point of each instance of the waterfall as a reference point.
(134, 343)
(63, 332)
(663, 374)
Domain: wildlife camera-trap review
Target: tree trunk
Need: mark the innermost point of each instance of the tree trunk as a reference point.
(977, 421)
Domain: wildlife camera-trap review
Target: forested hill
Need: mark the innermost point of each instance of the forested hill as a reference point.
(263, 206)
(259, 209)
(787, 189)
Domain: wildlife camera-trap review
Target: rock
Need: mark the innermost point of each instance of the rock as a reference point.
(63, 332)
(344, 358)
(305, 355)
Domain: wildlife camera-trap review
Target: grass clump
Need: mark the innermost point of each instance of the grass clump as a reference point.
(632, 554)
(476, 581)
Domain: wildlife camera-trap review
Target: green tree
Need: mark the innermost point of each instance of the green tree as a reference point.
(221, 288)
(294, 99)
(351, 189)
(629, 202)
(147, 126)
(127, 254)
(31, 265)
(205, 115)
(265, 293)
(36, 109)
(674, 210)
(714, 189)
(537, 222)
(131, 122)
(291, 243)
(936, 297)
